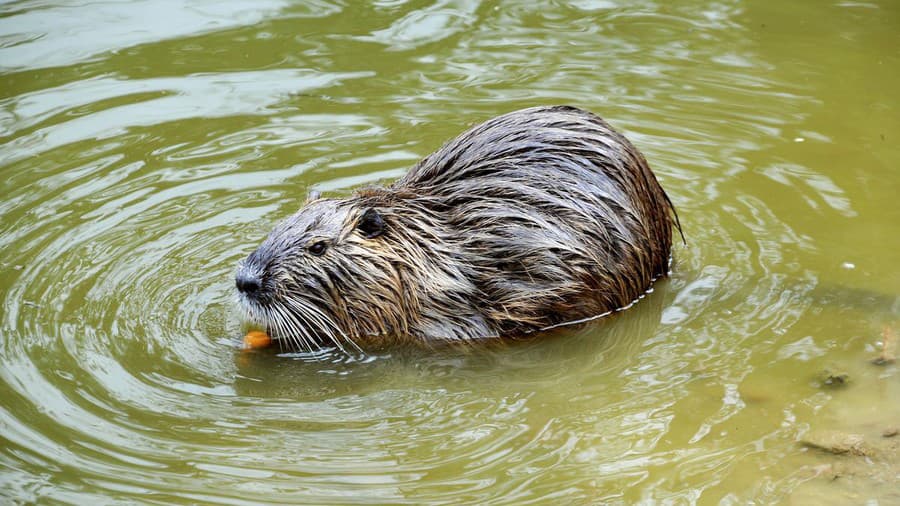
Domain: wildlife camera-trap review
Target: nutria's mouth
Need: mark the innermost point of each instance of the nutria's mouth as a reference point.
(297, 325)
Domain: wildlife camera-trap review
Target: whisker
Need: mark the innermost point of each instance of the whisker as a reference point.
(291, 329)
(300, 324)
(307, 313)
(325, 324)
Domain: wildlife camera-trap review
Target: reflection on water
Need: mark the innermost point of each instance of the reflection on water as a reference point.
(146, 147)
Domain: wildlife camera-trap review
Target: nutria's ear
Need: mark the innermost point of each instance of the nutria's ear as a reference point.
(313, 195)
(371, 224)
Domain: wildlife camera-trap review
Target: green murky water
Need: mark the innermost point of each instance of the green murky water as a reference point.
(147, 146)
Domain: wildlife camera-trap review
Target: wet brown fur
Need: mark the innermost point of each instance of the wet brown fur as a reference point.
(532, 219)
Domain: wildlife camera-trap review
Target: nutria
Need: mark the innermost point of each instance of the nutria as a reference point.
(530, 220)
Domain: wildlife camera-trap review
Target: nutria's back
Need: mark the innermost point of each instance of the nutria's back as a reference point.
(532, 219)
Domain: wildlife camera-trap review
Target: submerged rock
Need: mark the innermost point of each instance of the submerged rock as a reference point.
(834, 379)
(838, 443)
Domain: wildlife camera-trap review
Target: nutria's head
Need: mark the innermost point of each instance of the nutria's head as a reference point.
(320, 275)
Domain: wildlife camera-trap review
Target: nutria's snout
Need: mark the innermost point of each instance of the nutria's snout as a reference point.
(254, 285)
(247, 281)
(531, 220)
(250, 276)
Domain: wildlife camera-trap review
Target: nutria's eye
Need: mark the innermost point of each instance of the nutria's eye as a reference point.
(318, 248)
(371, 224)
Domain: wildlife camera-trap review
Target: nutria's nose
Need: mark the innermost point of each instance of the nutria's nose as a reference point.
(247, 282)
